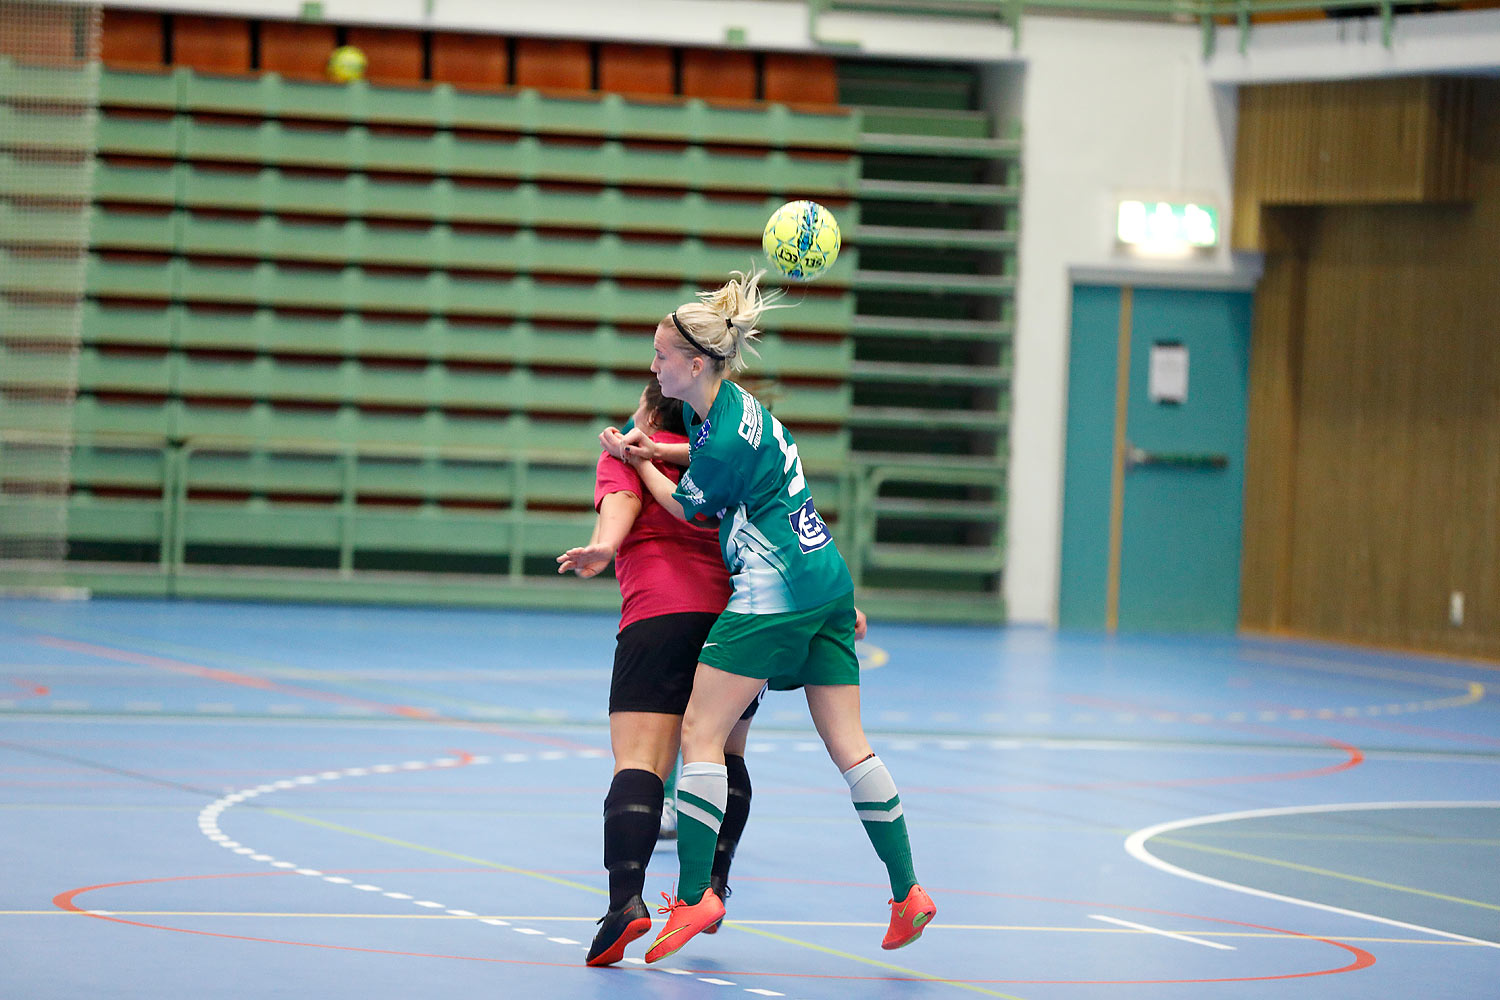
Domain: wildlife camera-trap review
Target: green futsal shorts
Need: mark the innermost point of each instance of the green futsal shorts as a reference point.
(789, 649)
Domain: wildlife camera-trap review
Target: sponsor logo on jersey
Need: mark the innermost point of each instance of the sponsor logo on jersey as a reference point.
(702, 437)
(690, 489)
(750, 423)
(812, 534)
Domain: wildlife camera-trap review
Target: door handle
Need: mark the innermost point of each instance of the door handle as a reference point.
(1209, 461)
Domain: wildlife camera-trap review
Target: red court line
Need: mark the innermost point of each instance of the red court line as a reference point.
(30, 690)
(223, 676)
(297, 690)
(1361, 958)
(64, 901)
(1354, 758)
(1328, 646)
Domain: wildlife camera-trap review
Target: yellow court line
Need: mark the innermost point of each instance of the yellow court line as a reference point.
(1475, 691)
(869, 961)
(600, 892)
(510, 869)
(1329, 874)
(1458, 659)
(1265, 935)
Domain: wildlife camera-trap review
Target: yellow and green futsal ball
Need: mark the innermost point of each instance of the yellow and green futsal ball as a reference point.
(347, 63)
(801, 239)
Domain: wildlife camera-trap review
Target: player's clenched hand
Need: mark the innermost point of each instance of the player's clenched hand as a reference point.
(586, 561)
(861, 624)
(638, 447)
(612, 441)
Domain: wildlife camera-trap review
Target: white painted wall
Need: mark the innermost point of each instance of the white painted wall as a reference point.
(1111, 109)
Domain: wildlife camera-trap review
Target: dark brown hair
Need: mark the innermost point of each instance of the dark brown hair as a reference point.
(665, 413)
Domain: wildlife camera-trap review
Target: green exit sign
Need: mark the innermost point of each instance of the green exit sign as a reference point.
(1167, 225)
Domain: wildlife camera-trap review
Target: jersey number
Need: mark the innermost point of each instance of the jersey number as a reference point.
(790, 451)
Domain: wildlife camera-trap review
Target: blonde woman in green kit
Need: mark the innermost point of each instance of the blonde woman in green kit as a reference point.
(790, 620)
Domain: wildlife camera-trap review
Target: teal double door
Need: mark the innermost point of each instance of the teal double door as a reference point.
(1155, 459)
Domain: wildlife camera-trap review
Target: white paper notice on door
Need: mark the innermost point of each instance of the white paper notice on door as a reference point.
(1168, 382)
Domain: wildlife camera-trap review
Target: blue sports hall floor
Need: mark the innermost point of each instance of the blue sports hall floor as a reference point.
(253, 800)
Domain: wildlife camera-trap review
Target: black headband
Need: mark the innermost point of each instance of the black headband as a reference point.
(716, 355)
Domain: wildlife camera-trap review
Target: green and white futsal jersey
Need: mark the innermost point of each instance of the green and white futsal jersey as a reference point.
(744, 469)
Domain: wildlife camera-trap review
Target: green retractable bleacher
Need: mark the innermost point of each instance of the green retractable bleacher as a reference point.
(357, 342)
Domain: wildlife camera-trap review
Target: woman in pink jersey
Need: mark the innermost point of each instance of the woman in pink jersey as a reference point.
(673, 584)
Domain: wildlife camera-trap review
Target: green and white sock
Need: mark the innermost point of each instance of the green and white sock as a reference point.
(879, 809)
(702, 792)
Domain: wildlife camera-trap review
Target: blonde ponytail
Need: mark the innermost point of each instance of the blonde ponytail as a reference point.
(724, 323)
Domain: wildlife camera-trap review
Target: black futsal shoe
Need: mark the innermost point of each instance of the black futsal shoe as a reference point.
(617, 928)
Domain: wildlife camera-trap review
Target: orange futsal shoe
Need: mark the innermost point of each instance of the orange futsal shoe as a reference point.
(683, 921)
(722, 891)
(909, 918)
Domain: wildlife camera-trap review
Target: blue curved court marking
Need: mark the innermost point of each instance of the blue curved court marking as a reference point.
(252, 798)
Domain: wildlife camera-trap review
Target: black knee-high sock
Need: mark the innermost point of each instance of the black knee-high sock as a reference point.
(736, 813)
(632, 819)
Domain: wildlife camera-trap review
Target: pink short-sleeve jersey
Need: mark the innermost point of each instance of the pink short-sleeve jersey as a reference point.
(664, 565)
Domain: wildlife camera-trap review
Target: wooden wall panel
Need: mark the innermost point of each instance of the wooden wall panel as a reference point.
(395, 56)
(718, 73)
(642, 70)
(554, 65)
(211, 44)
(1394, 463)
(800, 79)
(1270, 454)
(1357, 142)
(297, 51)
(131, 38)
(476, 62)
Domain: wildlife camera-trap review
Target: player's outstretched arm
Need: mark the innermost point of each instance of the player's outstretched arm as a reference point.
(617, 513)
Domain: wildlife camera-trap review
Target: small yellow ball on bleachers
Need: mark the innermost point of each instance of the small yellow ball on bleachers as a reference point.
(347, 63)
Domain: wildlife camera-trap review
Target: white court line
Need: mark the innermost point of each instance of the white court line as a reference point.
(1157, 930)
(1135, 845)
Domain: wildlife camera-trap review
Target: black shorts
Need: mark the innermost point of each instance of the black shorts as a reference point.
(655, 659)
